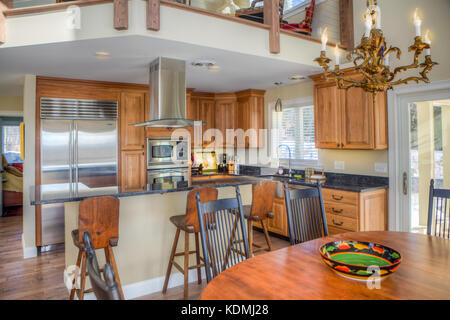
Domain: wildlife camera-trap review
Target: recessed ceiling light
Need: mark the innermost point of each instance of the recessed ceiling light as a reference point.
(297, 77)
(102, 54)
(210, 64)
(214, 67)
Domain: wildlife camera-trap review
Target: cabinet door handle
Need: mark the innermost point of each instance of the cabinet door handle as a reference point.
(337, 198)
(337, 211)
(338, 224)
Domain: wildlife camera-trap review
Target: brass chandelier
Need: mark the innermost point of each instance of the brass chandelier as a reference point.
(371, 57)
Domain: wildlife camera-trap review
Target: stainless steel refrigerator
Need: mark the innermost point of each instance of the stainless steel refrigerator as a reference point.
(78, 144)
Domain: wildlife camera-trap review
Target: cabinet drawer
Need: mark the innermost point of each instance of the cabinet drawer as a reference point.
(334, 230)
(341, 210)
(339, 196)
(342, 222)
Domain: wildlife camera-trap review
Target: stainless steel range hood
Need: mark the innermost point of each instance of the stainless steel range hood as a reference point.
(167, 94)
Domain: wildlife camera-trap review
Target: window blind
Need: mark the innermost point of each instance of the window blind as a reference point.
(294, 127)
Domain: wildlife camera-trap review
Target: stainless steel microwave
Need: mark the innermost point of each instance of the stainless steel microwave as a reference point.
(167, 153)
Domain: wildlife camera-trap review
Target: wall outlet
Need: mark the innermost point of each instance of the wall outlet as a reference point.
(339, 165)
(381, 167)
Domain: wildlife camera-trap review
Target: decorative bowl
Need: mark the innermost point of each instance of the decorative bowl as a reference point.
(360, 260)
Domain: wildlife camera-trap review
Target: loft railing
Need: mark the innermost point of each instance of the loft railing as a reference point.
(270, 18)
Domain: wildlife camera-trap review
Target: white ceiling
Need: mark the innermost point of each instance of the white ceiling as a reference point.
(129, 60)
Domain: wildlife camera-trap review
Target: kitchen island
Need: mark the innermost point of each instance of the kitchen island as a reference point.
(145, 232)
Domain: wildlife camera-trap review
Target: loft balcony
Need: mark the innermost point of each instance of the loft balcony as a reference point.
(60, 39)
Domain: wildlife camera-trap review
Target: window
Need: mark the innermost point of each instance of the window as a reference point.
(11, 143)
(290, 4)
(294, 127)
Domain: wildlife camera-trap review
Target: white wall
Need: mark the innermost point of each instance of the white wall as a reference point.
(29, 107)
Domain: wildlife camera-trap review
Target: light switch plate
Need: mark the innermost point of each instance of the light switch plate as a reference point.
(339, 165)
(381, 167)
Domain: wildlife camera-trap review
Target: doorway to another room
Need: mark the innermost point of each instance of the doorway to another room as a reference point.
(12, 166)
(429, 153)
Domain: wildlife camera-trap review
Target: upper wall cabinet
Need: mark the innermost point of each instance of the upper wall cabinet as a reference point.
(132, 110)
(241, 110)
(250, 116)
(348, 119)
(225, 117)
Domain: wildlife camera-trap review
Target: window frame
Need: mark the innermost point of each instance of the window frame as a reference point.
(295, 163)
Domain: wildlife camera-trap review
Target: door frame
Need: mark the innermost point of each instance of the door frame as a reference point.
(398, 100)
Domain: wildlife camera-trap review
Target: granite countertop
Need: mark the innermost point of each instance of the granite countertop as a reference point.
(60, 193)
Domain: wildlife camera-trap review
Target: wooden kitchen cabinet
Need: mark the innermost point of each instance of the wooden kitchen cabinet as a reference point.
(133, 169)
(355, 211)
(345, 212)
(279, 223)
(201, 107)
(348, 119)
(225, 118)
(327, 116)
(133, 164)
(250, 116)
(132, 110)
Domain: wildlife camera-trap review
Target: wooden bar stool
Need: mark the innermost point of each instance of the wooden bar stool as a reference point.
(189, 224)
(100, 218)
(263, 195)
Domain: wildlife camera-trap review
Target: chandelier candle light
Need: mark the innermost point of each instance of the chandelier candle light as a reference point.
(371, 57)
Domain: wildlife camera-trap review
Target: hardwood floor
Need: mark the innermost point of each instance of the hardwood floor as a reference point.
(42, 278)
(195, 289)
(25, 279)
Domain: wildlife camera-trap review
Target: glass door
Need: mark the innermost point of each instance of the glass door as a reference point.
(429, 157)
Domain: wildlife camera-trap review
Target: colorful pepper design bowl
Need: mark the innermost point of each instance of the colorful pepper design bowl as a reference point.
(360, 260)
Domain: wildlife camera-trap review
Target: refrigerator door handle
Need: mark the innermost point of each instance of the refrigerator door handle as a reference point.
(71, 158)
(76, 157)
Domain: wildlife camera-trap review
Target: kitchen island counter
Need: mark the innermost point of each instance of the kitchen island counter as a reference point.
(60, 193)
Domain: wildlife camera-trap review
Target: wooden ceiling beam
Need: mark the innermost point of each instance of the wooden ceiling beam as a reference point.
(153, 15)
(272, 19)
(121, 14)
(346, 24)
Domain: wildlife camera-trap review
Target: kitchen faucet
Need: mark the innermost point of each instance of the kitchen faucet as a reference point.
(289, 149)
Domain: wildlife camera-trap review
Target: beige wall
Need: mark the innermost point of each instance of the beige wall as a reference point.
(11, 103)
(355, 161)
(397, 25)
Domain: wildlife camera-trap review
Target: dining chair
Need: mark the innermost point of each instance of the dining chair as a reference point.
(260, 211)
(103, 289)
(305, 213)
(439, 212)
(223, 234)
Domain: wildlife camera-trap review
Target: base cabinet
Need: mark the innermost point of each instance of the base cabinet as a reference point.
(279, 223)
(133, 170)
(345, 212)
(354, 211)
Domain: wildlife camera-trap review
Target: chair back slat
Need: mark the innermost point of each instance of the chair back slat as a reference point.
(263, 195)
(206, 194)
(107, 289)
(438, 212)
(306, 214)
(99, 217)
(223, 233)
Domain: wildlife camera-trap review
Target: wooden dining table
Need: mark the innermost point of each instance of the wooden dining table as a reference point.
(298, 272)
